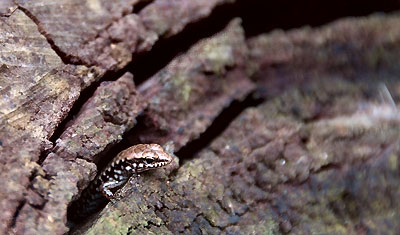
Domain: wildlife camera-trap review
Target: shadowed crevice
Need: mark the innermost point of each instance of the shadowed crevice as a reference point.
(138, 7)
(218, 126)
(15, 216)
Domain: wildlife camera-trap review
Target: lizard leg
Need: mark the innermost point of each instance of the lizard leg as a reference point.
(108, 186)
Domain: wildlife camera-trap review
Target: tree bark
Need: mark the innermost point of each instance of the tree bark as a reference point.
(285, 132)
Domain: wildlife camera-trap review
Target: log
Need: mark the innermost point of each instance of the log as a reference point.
(309, 126)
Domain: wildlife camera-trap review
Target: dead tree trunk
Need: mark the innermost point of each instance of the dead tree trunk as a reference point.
(291, 131)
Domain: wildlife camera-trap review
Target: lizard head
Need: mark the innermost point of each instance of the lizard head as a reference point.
(143, 157)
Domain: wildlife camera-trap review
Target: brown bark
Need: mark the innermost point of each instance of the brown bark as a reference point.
(318, 155)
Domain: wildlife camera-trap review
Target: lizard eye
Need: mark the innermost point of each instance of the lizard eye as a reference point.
(148, 161)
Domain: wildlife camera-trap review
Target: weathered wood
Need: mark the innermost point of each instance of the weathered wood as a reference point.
(319, 155)
(273, 171)
(352, 48)
(42, 47)
(37, 91)
(179, 95)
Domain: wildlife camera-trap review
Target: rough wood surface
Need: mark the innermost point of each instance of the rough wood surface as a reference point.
(37, 91)
(319, 155)
(179, 96)
(352, 48)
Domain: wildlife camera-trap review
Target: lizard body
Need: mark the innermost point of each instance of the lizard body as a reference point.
(128, 163)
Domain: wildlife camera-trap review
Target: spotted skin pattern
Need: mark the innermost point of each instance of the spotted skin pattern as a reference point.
(128, 163)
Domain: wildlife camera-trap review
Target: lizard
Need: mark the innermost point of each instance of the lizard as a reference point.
(128, 163)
